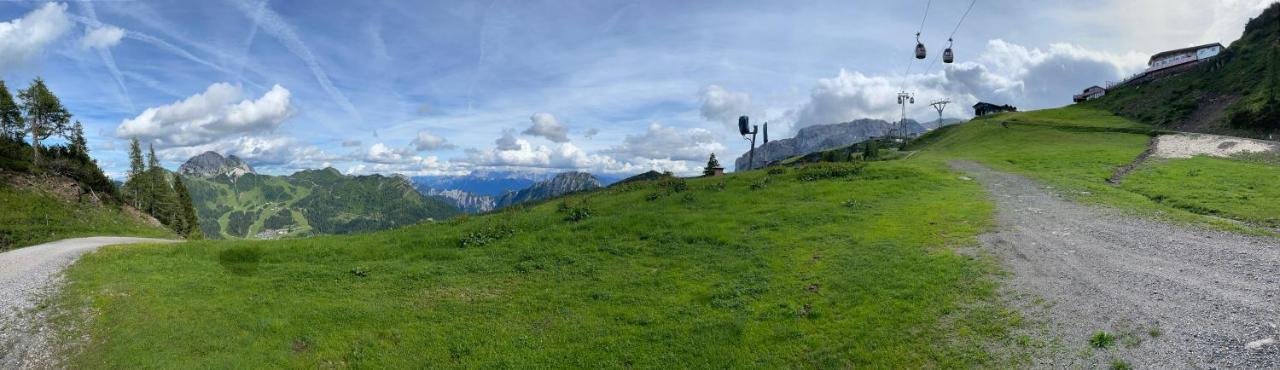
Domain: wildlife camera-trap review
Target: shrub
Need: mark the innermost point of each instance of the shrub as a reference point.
(763, 183)
(486, 235)
(777, 170)
(578, 214)
(1102, 340)
(824, 171)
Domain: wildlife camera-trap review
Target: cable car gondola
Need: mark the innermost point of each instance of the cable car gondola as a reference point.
(947, 55)
(920, 52)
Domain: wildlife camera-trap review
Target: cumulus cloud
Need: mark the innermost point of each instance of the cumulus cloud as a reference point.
(22, 39)
(507, 141)
(547, 126)
(219, 112)
(425, 141)
(1004, 73)
(381, 153)
(724, 106)
(667, 143)
(102, 37)
(259, 151)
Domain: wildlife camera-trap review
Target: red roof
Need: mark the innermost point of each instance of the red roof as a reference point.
(1180, 51)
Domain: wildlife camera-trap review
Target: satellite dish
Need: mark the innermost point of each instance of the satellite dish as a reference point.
(743, 126)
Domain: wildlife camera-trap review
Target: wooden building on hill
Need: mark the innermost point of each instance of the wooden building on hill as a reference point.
(984, 108)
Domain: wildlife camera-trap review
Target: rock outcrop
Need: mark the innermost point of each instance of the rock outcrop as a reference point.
(212, 164)
(822, 137)
(565, 183)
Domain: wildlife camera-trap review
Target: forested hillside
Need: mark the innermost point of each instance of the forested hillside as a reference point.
(308, 202)
(50, 192)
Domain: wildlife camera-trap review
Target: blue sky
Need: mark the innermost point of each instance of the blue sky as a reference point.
(449, 87)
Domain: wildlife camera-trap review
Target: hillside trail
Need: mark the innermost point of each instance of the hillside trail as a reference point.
(27, 276)
(1173, 296)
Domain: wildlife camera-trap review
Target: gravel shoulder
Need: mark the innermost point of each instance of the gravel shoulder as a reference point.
(1173, 296)
(27, 276)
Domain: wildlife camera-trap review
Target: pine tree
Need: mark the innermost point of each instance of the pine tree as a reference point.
(79, 146)
(712, 163)
(136, 166)
(190, 221)
(11, 122)
(45, 115)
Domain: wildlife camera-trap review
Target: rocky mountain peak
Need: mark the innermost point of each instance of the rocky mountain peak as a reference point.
(212, 164)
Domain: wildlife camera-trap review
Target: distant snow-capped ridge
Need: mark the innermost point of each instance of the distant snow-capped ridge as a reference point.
(558, 185)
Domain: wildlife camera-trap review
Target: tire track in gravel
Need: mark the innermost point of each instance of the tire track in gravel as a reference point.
(1177, 296)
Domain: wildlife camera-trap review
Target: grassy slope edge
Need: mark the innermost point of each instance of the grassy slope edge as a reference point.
(30, 217)
(1075, 149)
(749, 270)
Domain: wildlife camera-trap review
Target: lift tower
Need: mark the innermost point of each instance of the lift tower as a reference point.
(940, 105)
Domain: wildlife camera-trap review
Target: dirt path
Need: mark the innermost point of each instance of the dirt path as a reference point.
(26, 276)
(1174, 296)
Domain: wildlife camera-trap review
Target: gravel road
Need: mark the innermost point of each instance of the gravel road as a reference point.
(27, 275)
(1174, 296)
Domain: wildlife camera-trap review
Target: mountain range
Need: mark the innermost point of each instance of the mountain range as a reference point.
(822, 137)
(232, 201)
(555, 186)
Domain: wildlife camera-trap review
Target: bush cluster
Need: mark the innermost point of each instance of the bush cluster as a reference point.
(826, 171)
(486, 235)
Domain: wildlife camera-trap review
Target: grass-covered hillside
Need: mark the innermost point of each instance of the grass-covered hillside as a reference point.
(1235, 93)
(1077, 149)
(829, 266)
(307, 203)
(825, 265)
(36, 209)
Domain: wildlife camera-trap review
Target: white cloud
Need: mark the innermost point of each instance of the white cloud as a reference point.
(23, 39)
(507, 141)
(724, 106)
(257, 150)
(351, 143)
(102, 37)
(1004, 73)
(203, 118)
(668, 143)
(425, 141)
(547, 126)
(381, 153)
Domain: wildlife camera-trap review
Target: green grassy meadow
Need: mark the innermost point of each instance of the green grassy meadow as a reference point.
(30, 217)
(749, 270)
(1076, 149)
(825, 265)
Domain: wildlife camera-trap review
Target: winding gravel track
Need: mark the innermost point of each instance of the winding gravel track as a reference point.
(26, 276)
(1175, 296)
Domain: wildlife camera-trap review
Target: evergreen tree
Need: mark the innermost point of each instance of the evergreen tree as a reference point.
(711, 163)
(11, 123)
(136, 166)
(79, 146)
(45, 115)
(190, 222)
(152, 162)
